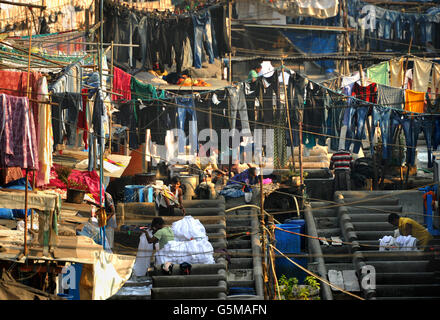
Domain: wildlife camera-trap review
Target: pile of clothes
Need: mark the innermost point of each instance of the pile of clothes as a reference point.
(184, 80)
(190, 244)
(400, 243)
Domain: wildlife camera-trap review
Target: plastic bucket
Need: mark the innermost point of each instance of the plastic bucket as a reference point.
(302, 224)
(288, 242)
(65, 296)
(134, 193)
(148, 194)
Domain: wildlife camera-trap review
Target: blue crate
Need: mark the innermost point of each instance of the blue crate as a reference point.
(288, 242)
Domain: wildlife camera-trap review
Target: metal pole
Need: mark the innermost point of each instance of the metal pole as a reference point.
(102, 139)
(130, 49)
(288, 116)
(230, 39)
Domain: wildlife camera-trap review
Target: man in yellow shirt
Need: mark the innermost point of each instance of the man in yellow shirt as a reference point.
(408, 226)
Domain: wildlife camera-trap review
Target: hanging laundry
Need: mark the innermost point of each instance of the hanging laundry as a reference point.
(414, 101)
(396, 73)
(422, 73)
(435, 88)
(121, 84)
(83, 122)
(390, 97)
(202, 36)
(366, 93)
(45, 137)
(379, 73)
(18, 139)
(65, 116)
(14, 83)
(350, 80)
(408, 83)
(144, 91)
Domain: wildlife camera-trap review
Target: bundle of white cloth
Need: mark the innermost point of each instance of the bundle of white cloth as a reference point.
(190, 244)
(400, 243)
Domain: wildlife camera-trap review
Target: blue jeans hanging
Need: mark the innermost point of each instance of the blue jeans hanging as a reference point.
(396, 120)
(356, 130)
(422, 124)
(202, 33)
(383, 116)
(188, 104)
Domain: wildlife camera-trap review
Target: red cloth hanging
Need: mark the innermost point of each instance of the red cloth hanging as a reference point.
(82, 118)
(121, 84)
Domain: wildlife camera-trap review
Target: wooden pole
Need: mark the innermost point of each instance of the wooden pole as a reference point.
(263, 229)
(29, 5)
(111, 86)
(127, 143)
(403, 86)
(346, 37)
(30, 110)
(286, 100)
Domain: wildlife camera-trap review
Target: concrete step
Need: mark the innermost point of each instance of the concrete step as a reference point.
(377, 217)
(322, 213)
(319, 204)
(196, 269)
(369, 245)
(420, 298)
(182, 293)
(241, 263)
(327, 233)
(237, 229)
(327, 222)
(240, 253)
(373, 235)
(363, 209)
(241, 283)
(239, 244)
(399, 266)
(377, 201)
(407, 278)
(408, 290)
(188, 280)
(339, 266)
(237, 221)
(394, 255)
(377, 226)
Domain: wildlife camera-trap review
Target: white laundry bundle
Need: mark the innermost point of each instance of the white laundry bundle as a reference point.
(406, 243)
(387, 243)
(190, 244)
(143, 256)
(400, 243)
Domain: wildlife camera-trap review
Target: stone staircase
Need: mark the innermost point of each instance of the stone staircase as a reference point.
(361, 220)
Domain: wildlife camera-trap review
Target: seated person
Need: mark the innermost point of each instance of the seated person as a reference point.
(410, 227)
(246, 178)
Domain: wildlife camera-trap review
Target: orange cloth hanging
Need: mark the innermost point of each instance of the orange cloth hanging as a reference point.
(414, 101)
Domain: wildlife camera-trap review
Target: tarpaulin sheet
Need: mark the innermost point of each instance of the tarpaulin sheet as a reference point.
(315, 42)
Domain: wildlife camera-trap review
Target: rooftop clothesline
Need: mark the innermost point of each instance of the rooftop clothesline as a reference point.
(126, 6)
